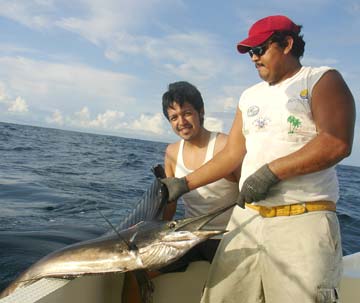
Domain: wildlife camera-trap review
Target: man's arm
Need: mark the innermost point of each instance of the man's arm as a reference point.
(220, 144)
(170, 163)
(333, 110)
(223, 163)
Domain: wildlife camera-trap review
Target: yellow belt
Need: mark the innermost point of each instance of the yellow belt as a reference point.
(293, 209)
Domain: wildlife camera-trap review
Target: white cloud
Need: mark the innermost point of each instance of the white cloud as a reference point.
(230, 104)
(70, 83)
(213, 124)
(89, 29)
(19, 106)
(101, 20)
(13, 49)
(113, 26)
(109, 119)
(34, 14)
(83, 114)
(149, 123)
(122, 43)
(56, 118)
(224, 99)
(185, 55)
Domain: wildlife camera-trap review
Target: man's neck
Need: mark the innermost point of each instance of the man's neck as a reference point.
(292, 68)
(201, 140)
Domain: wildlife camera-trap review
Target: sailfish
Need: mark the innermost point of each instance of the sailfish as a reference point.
(141, 241)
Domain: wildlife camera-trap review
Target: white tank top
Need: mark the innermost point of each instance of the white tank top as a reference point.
(212, 196)
(277, 121)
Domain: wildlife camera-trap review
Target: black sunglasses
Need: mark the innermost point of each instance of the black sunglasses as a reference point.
(259, 50)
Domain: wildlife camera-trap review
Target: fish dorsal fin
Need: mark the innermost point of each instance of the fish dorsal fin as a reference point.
(130, 244)
(133, 236)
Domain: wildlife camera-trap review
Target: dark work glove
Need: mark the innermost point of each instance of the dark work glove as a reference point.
(176, 187)
(257, 185)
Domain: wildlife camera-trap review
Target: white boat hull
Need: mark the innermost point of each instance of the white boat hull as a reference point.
(180, 287)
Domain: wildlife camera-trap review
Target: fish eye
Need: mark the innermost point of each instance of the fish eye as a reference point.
(172, 224)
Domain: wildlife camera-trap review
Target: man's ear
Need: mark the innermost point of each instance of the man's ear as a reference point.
(289, 44)
(201, 116)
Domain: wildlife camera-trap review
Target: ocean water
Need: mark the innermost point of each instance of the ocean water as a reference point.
(53, 184)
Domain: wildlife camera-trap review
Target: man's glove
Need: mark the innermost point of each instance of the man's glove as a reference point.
(257, 185)
(176, 187)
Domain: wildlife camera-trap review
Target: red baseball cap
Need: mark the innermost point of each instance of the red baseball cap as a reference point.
(262, 30)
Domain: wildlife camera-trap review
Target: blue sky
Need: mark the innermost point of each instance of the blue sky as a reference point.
(102, 66)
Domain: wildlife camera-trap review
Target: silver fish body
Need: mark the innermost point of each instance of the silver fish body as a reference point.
(153, 244)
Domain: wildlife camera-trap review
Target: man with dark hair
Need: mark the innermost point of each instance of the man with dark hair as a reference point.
(182, 92)
(289, 132)
(183, 106)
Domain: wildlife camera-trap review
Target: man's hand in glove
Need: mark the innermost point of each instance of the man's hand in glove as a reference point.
(257, 185)
(176, 187)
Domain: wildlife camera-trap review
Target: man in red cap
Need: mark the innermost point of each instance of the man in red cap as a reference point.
(289, 132)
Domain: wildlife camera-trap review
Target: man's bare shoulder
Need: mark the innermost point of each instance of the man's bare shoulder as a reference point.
(173, 148)
(221, 140)
(171, 158)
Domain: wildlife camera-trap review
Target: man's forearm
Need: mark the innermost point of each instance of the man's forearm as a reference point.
(223, 164)
(320, 153)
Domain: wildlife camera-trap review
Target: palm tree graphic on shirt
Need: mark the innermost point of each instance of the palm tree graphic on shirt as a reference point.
(294, 123)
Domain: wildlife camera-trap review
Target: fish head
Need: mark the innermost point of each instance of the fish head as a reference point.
(171, 240)
(191, 229)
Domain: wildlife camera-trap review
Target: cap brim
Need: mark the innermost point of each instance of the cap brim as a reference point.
(244, 46)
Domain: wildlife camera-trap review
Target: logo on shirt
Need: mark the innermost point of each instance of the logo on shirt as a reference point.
(253, 111)
(261, 122)
(304, 94)
(294, 123)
